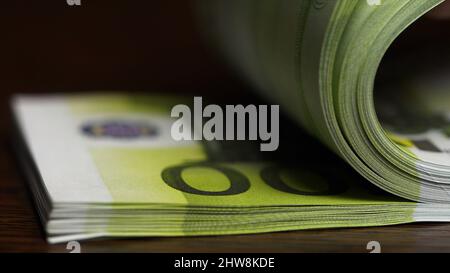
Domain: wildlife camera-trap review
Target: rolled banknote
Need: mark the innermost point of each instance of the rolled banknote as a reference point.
(318, 59)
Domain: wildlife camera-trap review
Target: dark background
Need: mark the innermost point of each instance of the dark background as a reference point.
(150, 45)
(49, 46)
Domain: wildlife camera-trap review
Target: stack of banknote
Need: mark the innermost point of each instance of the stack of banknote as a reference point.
(106, 165)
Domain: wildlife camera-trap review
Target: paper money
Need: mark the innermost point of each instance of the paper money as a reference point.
(106, 166)
(318, 60)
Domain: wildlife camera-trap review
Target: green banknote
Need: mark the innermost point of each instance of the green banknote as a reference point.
(106, 165)
(318, 60)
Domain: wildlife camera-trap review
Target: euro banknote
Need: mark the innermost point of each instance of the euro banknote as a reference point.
(318, 59)
(105, 165)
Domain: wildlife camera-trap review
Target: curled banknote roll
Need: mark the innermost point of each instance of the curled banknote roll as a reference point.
(319, 60)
